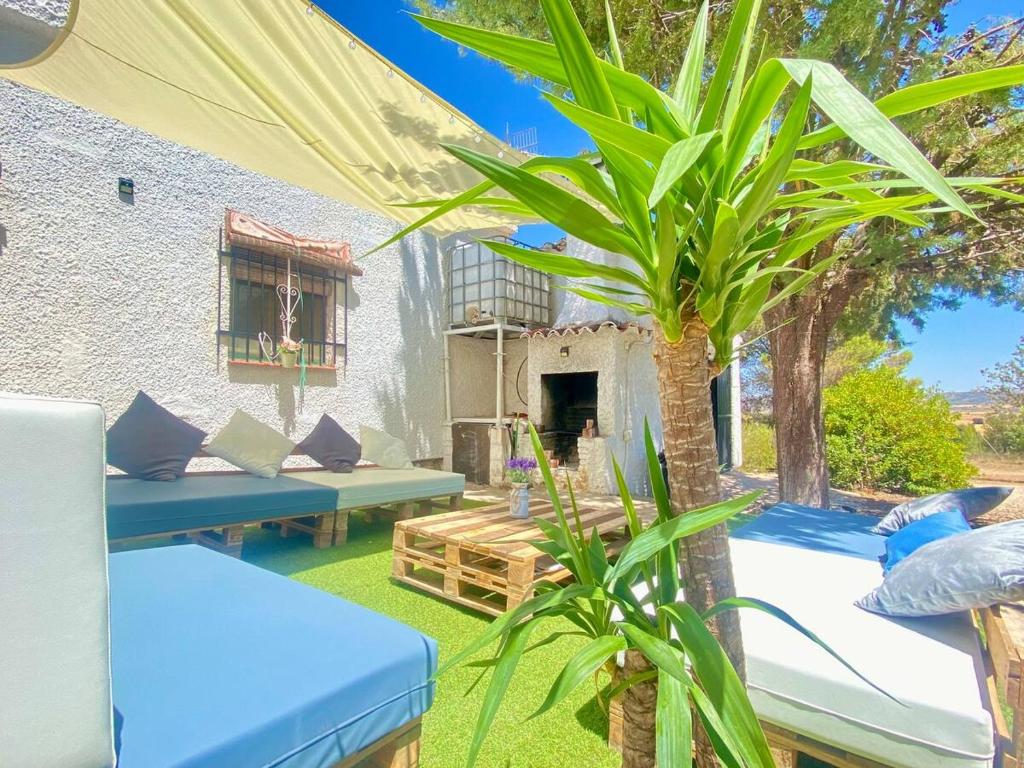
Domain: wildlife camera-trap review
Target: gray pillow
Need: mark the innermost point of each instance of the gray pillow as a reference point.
(971, 501)
(251, 445)
(331, 446)
(150, 442)
(970, 570)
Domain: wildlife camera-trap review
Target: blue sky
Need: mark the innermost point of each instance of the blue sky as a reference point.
(950, 352)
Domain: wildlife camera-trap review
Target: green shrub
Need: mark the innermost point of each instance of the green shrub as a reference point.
(970, 439)
(886, 432)
(758, 446)
(1005, 432)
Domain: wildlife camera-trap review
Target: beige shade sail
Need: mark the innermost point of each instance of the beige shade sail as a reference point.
(272, 87)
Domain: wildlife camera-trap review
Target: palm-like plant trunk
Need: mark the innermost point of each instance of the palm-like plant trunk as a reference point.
(684, 382)
(638, 715)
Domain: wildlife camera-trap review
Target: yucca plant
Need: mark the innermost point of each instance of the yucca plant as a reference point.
(701, 186)
(631, 607)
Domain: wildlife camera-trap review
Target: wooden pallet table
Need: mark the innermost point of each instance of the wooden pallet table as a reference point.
(483, 558)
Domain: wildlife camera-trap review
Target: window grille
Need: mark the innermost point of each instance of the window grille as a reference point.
(482, 283)
(250, 284)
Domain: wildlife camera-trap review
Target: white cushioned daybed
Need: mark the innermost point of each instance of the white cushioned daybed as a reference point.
(813, 564)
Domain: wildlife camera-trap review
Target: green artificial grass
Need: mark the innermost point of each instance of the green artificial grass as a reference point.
(572, 735)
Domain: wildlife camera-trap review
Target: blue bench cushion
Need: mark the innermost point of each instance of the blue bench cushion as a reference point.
(145, 508)
(823, 530)
(219, 663)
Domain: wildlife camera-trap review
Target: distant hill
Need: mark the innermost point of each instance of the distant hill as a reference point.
(971, 400)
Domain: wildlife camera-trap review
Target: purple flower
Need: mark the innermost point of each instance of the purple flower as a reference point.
(521, 463)
(518, 469)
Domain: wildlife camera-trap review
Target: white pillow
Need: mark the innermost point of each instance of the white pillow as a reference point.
(383, 450)
(251, 445)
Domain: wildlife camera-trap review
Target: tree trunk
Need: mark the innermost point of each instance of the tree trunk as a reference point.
(799, 343)
(798, 360)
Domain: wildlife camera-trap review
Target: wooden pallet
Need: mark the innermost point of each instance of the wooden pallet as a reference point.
(398, 749)
(331, 529)
(483, 558)
(1004, 638)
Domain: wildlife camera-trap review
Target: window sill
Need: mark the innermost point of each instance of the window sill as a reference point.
(264, 364)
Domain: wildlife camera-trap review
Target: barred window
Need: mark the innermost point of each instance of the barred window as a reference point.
(253, 296)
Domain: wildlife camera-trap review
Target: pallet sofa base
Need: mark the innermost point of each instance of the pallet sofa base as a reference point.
(398, 749)
(228, 539)
(332, 529)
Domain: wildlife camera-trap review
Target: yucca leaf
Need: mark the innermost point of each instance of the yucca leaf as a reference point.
(760, 605)
(739, 77)
(687, 88)
(662, 535)
(810, 170)
(583, 174)
(728, 751)
(554, 204)
(510, 619)
(714, 672)
(920, 96)
(611, 130)
(613, 37)
(598, 556)
(582, 67)
(657, 651)
(567, 266)
(638, 310)
(501, 676)
(626, 683)
(759, 101)
(869, 128)
(676, 161)
(590, 658)
(576, 552)
(673, 729)
(440, 210)
(777, 162)
(714, 99)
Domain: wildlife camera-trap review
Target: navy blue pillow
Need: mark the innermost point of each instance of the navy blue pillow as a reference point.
(907, 540)
(331, 446)
(150, 442)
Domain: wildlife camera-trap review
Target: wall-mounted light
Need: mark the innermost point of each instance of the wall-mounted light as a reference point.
(563, 352)
(126, 187)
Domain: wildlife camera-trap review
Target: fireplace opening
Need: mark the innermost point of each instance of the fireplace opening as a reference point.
(569, 400)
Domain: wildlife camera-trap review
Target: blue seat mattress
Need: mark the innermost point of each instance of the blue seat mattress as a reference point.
(217, 663)
(823, 530)
(148, 507)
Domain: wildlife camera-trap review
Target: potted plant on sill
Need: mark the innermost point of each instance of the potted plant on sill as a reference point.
(288, 352)
(518, 472)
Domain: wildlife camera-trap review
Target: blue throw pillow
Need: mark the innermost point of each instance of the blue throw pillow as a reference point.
(971, 501)
(971, 570)
(932, 528)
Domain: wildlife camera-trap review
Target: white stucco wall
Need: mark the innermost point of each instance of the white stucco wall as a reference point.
(627, 392)
(102, 297)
